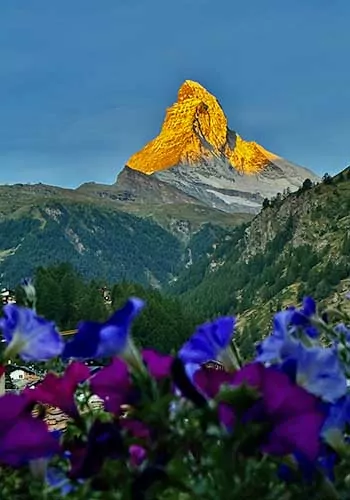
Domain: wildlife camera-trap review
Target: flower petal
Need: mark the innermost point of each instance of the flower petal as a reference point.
(320, 372)
(97, 340)
(37, 338)
(112, 384)
(158, 365)
(299, 433)
(59, 391)
(208, 341)
(29, 439)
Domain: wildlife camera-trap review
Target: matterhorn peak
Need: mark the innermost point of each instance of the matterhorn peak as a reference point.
(195, 130)
(198, 155)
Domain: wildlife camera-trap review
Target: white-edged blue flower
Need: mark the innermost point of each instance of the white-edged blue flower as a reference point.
(210, 342)
(30, 336)
(337, 420)
(280, 344)
(320, 372)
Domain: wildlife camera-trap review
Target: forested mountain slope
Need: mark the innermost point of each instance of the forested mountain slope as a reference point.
(296, 246)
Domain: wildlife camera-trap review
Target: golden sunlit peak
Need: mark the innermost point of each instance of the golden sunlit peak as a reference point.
(195, 128)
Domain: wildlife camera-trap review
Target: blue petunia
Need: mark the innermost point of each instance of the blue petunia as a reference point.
(57, 480)
(280, 344)
(319, 371)
(338, 417)
(210, 342)
(97, 340)
(29, 335)
(302, 317)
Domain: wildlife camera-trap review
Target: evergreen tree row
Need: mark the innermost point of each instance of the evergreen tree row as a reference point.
(66, 298)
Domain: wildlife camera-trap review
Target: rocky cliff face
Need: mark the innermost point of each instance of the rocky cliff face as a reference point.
(199, 155)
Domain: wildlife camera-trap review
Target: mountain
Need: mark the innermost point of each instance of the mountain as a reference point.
(188, 188)
(97, 230)
(197, 154)
(296, 246)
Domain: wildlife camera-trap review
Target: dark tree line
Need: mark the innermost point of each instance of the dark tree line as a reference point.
(66, 298)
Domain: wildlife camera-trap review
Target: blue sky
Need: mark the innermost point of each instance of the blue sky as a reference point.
(85, 83)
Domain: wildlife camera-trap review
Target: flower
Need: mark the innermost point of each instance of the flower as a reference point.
(29, 335)
(137, 455)
(104, 441)
(57, 480)
(158, 365)
(316, 368)
(337, 419)
(59, 391)
(22, 437)
(319, 370)
(295, 417)
(209, 381)
(301, 317)
(96, 340)
(210, 342)
(112, 384)
(280, 344)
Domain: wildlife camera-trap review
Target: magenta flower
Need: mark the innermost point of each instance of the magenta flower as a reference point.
(59, 391)
(158, 365)
(137, 455)
(23, 437)
(112, 385)
(209, 381)
(294, 415)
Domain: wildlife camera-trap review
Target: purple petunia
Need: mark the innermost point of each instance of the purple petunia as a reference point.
(22, 437)
(294, 415)
(112, 384)
(158, 365)
(59, 391)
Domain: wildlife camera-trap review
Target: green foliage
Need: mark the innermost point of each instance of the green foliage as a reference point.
(266, 203)
(327, 179)
(64, 297)
(307, 184)
(163, 324)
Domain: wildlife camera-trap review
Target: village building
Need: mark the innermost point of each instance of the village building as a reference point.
(7, 297)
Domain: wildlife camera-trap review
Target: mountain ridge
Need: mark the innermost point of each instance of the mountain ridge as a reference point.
(101, 233)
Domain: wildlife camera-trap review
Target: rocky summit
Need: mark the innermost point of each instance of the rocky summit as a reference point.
(197, 153)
